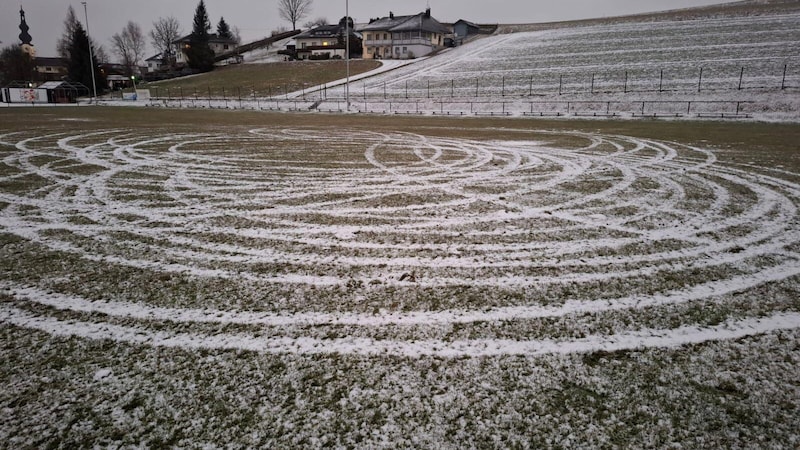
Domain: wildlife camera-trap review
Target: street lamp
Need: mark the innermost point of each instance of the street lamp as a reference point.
(347, 50)
(133, 79)
(91, 57)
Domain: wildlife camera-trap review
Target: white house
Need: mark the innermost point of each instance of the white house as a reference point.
(217, 44)
(403, 37)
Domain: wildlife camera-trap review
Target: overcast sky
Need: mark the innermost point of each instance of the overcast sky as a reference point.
(256, 18)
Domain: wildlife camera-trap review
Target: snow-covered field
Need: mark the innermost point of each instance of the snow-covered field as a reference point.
(310, 286)
(706, 59)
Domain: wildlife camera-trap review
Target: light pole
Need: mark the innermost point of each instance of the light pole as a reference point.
(133, 79)
(347, 50)
(91, 57)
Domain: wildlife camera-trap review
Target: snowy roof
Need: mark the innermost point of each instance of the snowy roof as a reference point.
(211, 38)
(422, 21)
(324, 31)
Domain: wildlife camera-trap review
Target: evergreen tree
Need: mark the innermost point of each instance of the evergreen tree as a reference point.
(79, 66)
(199, 54)
(223, 30)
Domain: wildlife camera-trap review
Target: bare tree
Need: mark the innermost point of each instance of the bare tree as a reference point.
(166, 30)
(129, 45)
(236, 35)
(318, 22)
(294, 10)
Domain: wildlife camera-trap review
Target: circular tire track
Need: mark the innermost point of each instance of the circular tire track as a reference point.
(364, 211)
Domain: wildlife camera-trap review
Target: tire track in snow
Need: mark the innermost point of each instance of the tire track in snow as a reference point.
(457, 212)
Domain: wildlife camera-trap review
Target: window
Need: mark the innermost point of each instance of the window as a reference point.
(385, 37)
(405, 50)
(225, 47)
(397, 50)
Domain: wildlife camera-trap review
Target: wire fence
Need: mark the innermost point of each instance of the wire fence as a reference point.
(476, 107)
(704, 80)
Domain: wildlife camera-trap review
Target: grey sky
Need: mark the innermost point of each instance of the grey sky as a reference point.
(256, 18)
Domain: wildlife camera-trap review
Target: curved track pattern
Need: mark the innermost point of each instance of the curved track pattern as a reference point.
(576, 224)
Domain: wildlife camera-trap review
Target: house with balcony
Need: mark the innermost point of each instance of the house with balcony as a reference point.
(403, 37)
(218, 45)
(327, 42)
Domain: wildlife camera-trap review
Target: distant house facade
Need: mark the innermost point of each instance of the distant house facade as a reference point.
(463, 28)
(327, 42)
(156, 63)
(403, 37)
(50, 69)
(217, 44)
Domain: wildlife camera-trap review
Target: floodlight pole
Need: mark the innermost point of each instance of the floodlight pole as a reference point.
(347, 50)
(91, 57)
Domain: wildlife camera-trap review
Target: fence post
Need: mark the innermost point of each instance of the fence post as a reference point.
(738, 104)
(195, 96)
(429, 88)
(504, 86)
(384, 90)
(452, 88)
(700, 81)
(689, 108)
(592, 83)
(625, 88)
(661, 82)
(181, 101)
(225, 97)
(209, 97)
(406, 88)
(741, 76)
(169, 97)
(530, 90)
(258, 103)
(643, 108)
(560, 83)
(476, 87)
(783, 82)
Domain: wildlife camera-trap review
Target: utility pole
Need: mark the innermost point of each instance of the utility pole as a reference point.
(91, 56)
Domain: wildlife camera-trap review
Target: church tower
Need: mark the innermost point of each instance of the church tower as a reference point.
(24, 36)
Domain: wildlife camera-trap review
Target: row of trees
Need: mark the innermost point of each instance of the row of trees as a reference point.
(129, 44)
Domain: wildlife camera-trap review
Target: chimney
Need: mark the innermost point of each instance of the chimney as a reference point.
(391, 15)
(428, 13)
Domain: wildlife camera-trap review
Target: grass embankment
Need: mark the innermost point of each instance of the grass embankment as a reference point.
(263, 79)
(748, 138)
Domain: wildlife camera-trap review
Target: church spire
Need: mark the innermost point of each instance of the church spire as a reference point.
(23, 26)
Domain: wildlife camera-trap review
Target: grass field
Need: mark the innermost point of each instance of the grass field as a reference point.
(241, 279)
(260, 79)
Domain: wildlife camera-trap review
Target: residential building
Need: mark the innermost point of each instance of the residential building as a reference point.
(50, 69)
(463, 28)
(156, 63)
(217, 44)
(327, 42)
(403, 37)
